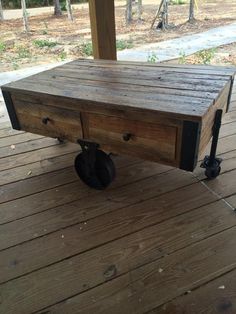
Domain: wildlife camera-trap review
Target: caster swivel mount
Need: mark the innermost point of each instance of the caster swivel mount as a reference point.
(94, 167)
(211, 163)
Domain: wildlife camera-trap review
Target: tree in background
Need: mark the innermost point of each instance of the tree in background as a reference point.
(69, 10)
(1, 11)
(25, 16)
(129, 11)
(140, 9)
(57, 8)
(191, 18)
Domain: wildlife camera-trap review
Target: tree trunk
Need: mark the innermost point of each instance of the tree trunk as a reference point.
(57, 8)
(69, 10)
(1, 11)
(128, 11)
(140, 9)
(191, 11)
(25, 16)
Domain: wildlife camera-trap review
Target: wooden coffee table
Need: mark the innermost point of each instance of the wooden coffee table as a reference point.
(159, 112)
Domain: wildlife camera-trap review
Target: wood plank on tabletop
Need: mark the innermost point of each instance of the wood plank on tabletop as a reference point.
(58, 88)
(124, 77)
(153, 71)
(134, 87)
(135, 74)
(89, 270)
(226, 71)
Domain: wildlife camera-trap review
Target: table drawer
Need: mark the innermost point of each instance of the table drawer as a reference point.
(49, 121)
(146, 140)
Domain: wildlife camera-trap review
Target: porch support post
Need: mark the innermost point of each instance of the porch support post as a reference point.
(102, 19)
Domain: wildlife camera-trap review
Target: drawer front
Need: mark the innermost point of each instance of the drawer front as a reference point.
(47, 120)
(151, 141)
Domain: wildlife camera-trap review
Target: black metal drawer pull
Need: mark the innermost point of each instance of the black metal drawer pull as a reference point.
(127, 137)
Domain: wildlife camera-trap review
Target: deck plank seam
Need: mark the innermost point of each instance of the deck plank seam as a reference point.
(232, 267)
(120, 237)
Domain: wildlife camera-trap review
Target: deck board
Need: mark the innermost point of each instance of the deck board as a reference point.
(140, 246)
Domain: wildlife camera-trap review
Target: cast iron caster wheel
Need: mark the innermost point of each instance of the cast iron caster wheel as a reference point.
(97, 174)
(212, 172)
(212, 169)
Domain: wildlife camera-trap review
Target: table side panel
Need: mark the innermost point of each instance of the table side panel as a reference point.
(208, 119)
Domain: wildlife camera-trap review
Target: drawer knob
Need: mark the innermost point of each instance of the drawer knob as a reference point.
(127, 137)
(45, 120)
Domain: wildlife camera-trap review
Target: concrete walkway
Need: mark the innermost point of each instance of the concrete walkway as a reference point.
(172, 49)
(166, 50)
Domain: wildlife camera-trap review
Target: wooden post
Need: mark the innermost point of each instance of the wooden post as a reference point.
(102, 19)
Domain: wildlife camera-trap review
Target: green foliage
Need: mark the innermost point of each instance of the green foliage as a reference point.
(63, 6)
(178, 2)
(2, 47)
(124, 44)
(152, 57)
(16, 4)
(87, 49)
(23, 52)
(15, 65)
(182, 57)
(62, 55)
(41, 43)
(45, 31)
(205, 56)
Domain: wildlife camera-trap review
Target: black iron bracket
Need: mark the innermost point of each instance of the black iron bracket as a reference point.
(89, 149)
(211, 163)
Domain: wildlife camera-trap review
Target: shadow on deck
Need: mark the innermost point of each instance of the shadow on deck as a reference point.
(159, 240)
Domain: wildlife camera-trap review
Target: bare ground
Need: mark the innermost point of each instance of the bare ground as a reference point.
(18, 49)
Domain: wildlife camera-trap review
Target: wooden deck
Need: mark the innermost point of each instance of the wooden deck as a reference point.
(159, 240)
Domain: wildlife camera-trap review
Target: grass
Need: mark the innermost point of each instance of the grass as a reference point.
(87, 49)
(23, 52)
(124, 44)
(62, 55)
(205, 56)
(182, 57)
(41, 43)
(152, 57)
(2, 47)
(178, 2)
